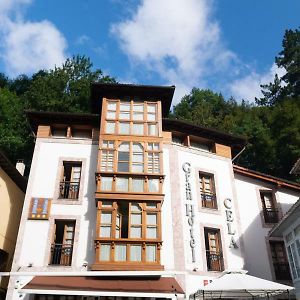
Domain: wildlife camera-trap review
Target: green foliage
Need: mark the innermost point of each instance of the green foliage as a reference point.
(63, 89)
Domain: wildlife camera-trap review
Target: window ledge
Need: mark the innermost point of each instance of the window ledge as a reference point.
(117, 266)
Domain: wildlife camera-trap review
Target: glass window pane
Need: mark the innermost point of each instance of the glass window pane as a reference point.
(137, 184)
(110, 127)
(151, 253)
(138, 116)
(153, 146)
(135, 253)
(138, 107)
(124, 116)
(105, 231)
(106, 183)
(124, 147)
(151, 233)
(123, 167)
(107, 144)
(124, 128)
(138, 157)
(124, 106)
(110, 115)
(137, 147)
(122, 184)
(123, 156)
(136, 219)
(151, 117)
(138, 168)
(112, 106)
(151, 205)
(120, 253)
(135, 207)
(135, 232)
(153, 185)
(105, 252)
(151, 219)
(151, 108)
(106, 217)
(138, 129)
(152, 129)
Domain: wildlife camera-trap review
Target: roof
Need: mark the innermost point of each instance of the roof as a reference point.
(12, 172)
(291, 215)
(37, 118)
(205, 132)
(114, 284)
(267, 178)
(144, 92)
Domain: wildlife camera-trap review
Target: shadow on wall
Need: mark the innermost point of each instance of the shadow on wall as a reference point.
(91, 213)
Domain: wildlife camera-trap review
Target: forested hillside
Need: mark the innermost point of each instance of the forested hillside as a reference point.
(271, 123)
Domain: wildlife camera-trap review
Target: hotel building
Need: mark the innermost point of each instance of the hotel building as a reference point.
(125, 203)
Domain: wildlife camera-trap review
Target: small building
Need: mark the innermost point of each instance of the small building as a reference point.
(125, 203)
(12, 192)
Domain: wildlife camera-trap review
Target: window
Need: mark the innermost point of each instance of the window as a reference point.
(293, 252)
(214, 256)
(141, 184)
(279, 259)
(207, 190)
(107, 156)
(81, 133)
(131, 157)
(62, 246)
(60, 132)
(270, 211)
(153, 158)
(200, 146)
(70, 182)
(128, 224)
(131, 118)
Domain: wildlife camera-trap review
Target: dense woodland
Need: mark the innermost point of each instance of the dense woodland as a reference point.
(272, 123)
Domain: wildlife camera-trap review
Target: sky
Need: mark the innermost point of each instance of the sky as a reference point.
(228, 46)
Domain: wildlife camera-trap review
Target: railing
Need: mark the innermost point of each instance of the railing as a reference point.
(282, 271)
(68, 190)
(209, 200)
(214, 261)
(61, 254)
(270, 215)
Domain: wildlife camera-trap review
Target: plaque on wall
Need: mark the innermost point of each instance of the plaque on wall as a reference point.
(39, 208)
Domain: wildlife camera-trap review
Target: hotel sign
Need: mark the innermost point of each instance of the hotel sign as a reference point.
(189, 207)
(229, 219)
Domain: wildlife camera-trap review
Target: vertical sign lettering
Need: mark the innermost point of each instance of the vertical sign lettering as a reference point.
(229, 219)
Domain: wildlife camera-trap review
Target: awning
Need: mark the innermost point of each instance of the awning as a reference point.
(237, 284)
(88, 285)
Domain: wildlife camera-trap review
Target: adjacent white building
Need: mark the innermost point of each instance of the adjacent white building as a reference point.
(125, 203)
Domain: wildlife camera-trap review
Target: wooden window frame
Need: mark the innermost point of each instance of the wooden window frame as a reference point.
(267, 212)
(131, 119)
(211, 194)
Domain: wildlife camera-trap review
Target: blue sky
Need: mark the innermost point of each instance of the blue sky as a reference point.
(225, 45)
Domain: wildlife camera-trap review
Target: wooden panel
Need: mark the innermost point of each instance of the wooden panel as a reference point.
(129, 196)
(222, 150)
(39, 208)
(167, 137)
(43, 131)
(126, 267)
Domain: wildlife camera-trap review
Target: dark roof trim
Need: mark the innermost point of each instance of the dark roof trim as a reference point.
(204, 132)
(12, 172)
(144, 92)
(284, 222)
(37, 118)
(268, 178)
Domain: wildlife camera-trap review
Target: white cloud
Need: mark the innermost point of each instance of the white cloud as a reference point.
(28, 46)
(248, 87)
(177, 39)
(81, 40)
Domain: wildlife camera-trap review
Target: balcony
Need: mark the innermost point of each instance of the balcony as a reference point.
(282, 271)
(270, 215)
(68, 190)
(214, 261)
(124, 254)
(61, 254)
(209, 200)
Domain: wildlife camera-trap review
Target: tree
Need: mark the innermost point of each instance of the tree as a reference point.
(66, 88)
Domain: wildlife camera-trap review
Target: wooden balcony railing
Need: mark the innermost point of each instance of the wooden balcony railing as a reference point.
(209, 200)
(270, 215)
(282, 271)
(214, 261)
(68, 190)
(127, 254)
(61, 254)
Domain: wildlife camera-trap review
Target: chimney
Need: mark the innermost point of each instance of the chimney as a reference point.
(20, 166)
